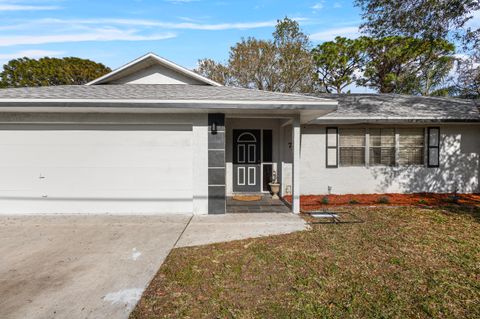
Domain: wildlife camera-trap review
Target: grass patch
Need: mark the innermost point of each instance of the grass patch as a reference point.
(400, 263)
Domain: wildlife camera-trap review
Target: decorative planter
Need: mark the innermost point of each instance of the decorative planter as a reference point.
(275, 188)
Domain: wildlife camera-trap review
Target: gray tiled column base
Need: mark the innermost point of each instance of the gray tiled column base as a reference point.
(216, 165)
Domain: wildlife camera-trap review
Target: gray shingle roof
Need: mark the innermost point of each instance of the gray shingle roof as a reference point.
(378, 107)
(151, 92)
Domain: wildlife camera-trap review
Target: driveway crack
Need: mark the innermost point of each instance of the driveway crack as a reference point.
(184, 229)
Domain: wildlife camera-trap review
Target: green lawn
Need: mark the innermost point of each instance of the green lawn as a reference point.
(399, 263)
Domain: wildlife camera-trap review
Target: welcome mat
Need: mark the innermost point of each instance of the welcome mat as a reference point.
(247, 198)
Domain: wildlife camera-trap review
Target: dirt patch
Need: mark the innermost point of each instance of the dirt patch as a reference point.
(315, 202)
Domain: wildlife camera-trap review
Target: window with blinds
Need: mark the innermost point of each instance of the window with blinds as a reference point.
(352, 147)
(382, 146)
(411, 150)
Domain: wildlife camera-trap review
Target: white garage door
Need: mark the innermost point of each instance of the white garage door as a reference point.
(96, 169)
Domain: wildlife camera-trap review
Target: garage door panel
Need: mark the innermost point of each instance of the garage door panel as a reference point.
(81, 179)
(118, 172)
(171, 135)
(95, 156)
(135, 179)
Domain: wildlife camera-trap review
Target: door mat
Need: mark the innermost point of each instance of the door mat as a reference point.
(247, 198)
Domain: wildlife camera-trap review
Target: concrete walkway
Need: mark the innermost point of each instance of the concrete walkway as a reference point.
(98, 266)
(208, 229)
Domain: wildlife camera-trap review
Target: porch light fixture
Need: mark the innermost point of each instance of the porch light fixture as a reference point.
(214, 128)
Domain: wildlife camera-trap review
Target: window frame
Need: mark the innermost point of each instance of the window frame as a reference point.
(429, 146)
(370, 147)
(328, 147)
(426, 146)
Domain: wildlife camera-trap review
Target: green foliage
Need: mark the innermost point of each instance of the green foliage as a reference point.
(353, 202)
(383, 200)
(50, 71)
(422, 202)
(325, 200)
(452, 199)
(338, 61)
(282, 64)
(406, 65)
(214, 71)
(427, 19)
(393, 64)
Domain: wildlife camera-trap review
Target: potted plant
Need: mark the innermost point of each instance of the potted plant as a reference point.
(274, 186)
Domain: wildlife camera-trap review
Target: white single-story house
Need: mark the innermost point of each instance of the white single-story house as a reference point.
(154, 137)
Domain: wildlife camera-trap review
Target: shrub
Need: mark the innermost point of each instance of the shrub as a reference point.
(452, 199)
(353, 202)
(422, 202)
(383, 200)
(325, 200)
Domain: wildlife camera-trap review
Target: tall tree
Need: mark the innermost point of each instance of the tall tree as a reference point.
(253, 64)
(214, 71)
(50, 71)
(428, 19)
(294, 60)
(339, 62)
(406, 65)
(283, 64)
(468, 82)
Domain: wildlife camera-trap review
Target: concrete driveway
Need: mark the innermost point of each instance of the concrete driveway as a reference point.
(98, 266)
(80, 266)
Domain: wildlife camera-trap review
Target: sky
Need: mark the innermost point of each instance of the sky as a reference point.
(184, 31)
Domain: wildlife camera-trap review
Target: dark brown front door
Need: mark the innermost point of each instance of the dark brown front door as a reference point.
(246, 161)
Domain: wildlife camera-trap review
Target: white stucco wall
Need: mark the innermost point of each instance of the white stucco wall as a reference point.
(157, 74)
(459, 167)
(103, 163)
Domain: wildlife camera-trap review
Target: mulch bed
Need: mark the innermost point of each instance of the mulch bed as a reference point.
(315, 202)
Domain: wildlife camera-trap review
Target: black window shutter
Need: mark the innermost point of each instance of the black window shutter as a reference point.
(433, 154)
(331, 139)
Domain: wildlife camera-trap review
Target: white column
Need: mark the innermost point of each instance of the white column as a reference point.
(200, 164)
(296, 166)
(281, 160)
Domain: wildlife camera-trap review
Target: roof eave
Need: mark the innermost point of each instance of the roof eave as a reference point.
(306, 112)
(397, 120)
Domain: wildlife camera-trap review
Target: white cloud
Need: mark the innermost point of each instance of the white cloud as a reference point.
(180, 1)
(163, 24)
(20, 7)
(95, 35)
(25, 5)
(328, 35)
(29, 54)
(337, 5)
(318, 6)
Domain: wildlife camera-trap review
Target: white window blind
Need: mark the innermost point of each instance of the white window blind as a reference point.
(382, 146)
(352, 146)
(411, 151)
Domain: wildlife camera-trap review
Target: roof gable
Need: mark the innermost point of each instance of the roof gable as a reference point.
(153, 69)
